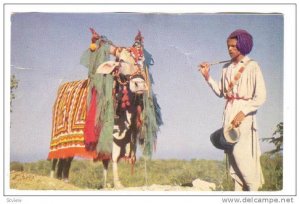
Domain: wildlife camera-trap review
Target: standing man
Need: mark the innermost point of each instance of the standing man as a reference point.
(243, 87)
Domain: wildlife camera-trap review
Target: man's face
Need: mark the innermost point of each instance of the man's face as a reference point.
(232, 49)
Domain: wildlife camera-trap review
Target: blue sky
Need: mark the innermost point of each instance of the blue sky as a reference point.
(46, 50)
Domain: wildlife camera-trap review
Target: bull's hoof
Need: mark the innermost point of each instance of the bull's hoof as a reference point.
(105, 186)
(66, 180)
(118, 185)
(52, 174)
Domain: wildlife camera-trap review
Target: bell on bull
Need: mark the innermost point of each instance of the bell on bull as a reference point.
(105, 116)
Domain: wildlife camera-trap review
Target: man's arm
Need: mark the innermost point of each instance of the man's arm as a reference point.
(216, 87)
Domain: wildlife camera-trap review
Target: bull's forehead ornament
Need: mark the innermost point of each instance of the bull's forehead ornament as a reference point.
(127, 62)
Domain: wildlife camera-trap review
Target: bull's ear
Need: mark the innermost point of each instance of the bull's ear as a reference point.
(106, 67)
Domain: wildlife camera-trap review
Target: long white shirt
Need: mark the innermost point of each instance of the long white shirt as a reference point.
(247, 95)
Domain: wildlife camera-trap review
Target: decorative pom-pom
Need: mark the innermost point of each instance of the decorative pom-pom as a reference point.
(139, 116)
(139, 109)
(125, 98)
(125, 92)
(93, 47)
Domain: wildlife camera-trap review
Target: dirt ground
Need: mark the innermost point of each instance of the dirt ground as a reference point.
(25, 181)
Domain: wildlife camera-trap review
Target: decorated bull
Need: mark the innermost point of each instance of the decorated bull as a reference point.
(105, 116)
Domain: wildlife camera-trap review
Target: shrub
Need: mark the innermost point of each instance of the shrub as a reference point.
(16, 166)
(273, 171)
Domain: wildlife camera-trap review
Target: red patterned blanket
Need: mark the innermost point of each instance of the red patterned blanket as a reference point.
(69, 113)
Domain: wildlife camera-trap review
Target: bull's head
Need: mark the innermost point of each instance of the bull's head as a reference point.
(126, 67)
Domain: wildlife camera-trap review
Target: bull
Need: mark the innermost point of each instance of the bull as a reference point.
(132, 102)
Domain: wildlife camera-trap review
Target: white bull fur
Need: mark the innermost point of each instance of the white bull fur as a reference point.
(116, 152)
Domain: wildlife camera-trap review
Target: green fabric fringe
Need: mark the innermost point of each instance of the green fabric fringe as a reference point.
(105, 113)
(149, 127)
(104, 85)
(151, 115)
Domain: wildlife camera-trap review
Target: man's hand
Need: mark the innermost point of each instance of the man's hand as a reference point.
(238, 119)
(204, 69)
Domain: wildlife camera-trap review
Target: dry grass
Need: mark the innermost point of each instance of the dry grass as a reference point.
(27, 181)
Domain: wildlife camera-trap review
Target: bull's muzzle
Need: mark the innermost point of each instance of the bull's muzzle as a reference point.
(138, 85)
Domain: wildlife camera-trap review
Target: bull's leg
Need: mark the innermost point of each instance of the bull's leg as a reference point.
(52, 172)
(66, 169)
(60, 165)
(105, 169)
(120, 134)
(115, 155)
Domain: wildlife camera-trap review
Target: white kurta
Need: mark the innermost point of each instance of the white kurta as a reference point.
(249, 94)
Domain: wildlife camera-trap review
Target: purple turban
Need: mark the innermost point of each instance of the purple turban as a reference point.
(244, 41)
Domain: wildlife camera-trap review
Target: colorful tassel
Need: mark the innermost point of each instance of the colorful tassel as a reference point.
(125, 98)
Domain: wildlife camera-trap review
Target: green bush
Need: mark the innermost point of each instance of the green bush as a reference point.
(41, 167)
(272, 167)
(86, 174)
(16, 166)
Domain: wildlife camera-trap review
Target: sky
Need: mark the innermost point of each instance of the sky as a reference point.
(46, 50)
